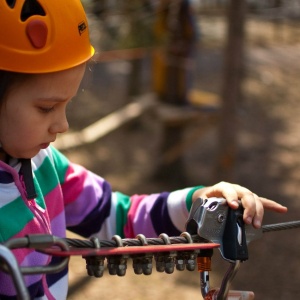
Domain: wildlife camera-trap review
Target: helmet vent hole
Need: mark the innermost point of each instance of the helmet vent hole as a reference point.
(11, 3)
(31, 8)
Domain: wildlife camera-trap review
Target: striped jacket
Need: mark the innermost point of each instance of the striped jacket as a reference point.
(71, 197)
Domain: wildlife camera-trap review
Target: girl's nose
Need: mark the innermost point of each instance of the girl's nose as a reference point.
(60, 125)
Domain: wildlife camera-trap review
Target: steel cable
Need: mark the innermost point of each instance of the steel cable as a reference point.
(281, 226)
(77, 243)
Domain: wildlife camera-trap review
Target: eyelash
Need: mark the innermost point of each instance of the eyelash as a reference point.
(46, 110)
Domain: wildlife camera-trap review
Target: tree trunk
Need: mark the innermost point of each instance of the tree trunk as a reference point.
(231, 91)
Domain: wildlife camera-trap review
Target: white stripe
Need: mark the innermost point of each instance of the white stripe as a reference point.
(40, 157)
(177, 208)
(108, 228)
(9, 193)
(59, 290)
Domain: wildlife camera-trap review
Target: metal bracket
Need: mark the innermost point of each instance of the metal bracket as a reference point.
(213, 220)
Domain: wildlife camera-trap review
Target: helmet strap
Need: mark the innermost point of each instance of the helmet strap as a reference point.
(26, 173)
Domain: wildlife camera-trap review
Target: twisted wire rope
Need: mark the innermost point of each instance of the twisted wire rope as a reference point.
(78, 243)
(131, 242)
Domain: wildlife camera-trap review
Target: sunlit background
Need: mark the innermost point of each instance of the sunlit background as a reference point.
(177, 98)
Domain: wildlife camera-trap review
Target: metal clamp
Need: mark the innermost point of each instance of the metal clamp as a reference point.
(213, 220)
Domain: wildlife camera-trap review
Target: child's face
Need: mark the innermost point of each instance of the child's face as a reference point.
(34, 111)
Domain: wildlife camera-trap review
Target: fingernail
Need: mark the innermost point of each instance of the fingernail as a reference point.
(235, 203)
(248, 220)
(257, 223)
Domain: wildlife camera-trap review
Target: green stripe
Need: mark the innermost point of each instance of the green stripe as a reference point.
(40, 196)
(122, 208)
(13, 218)
(189, 197)
(61, 164)
(47, 177)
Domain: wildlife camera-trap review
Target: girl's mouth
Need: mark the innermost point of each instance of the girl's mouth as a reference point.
(45, 145)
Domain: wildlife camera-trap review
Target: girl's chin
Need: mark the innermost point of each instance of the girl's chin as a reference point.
(27, 154)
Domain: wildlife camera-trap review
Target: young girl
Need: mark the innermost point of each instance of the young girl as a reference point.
(44, 45)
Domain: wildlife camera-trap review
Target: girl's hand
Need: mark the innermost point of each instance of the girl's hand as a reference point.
(253, 204)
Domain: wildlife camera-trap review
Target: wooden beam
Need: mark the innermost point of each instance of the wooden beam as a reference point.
(107, 124)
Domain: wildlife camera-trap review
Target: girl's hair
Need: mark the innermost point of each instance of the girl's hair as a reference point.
(7, 79)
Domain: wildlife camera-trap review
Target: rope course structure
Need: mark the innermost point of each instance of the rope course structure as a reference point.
(211, 225)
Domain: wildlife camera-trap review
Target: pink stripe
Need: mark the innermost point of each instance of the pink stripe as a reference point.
(54, 202)
(74, 182)
(31, 228)
(140, 219)
(135, 202)
(34, 227)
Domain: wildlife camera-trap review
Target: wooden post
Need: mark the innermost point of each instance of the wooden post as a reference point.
(176, 33)
(231, 92)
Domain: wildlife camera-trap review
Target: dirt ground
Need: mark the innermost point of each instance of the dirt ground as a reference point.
(268, 161)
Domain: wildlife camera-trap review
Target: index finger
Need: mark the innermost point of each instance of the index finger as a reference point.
(273, 206)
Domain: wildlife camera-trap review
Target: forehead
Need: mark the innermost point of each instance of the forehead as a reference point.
(62, 84)
(73, 75)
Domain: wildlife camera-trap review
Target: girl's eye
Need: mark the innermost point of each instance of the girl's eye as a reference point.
(46, 109)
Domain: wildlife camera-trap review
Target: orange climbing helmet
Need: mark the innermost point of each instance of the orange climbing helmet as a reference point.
(41, 36)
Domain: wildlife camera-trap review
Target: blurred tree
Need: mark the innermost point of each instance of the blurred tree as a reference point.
(140, 18)
(99, 7)
(139, 34)
(176, 32)
(127, 25)
(231, 91)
